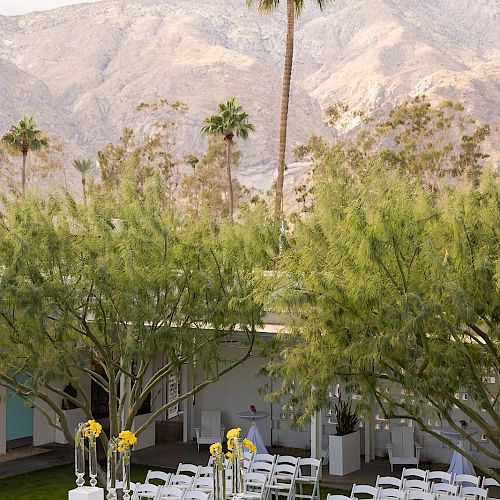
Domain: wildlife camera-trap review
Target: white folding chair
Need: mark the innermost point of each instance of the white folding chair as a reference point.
(287, 459)
(419, 495)
(364, 489)
(414, 473)
(415, 485)
(157, 475)
(187, 469)
(282, 481)
(264, 457)
(146, 491)
(446, 488)
(205, 484)
(443, 496)
(388, 482)
(466, 478)
(474, 492)
(255, 486)
(309, 477)
(264, 467)
(248, 457)
(196, 495)
(171, 492)
(133, 486)
(439, 475)
(337, 497)
(205, 471)
(181, 481)
(391, 494)
(490, 482)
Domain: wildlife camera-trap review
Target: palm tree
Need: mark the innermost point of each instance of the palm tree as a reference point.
(294, 8)
(25, 137)
(83, 166)
(231, 121)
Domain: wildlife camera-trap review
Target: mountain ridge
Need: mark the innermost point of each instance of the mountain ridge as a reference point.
(91, 64)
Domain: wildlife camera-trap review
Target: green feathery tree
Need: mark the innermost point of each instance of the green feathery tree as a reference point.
(393, 288)
(99, 292)
(230, 122)
(83, 166)
(294, 8)
(25, 137)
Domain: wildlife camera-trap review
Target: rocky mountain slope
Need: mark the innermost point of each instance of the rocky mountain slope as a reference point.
(81, 70)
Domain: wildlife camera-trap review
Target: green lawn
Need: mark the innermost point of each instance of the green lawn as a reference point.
(53, 484)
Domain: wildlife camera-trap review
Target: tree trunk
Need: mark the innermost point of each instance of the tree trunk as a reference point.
(84, 190)
(23, 173)
(285, 97)
(230, 180)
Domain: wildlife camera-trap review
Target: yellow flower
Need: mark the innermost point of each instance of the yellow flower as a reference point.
(92, 427)
(230, 456)
(233, 433)
(249, 445)
(230, 444)
(127, 439)
(215, 449)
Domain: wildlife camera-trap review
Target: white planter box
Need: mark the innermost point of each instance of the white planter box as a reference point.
(73, 417)
(345, 454)
(146, 438)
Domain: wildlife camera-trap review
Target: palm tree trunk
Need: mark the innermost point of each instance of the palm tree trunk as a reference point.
(230, 180)
(285, 98)
(84, 190)
(23, 173)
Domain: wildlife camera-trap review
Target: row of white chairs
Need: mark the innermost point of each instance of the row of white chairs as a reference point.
(157, 492)
(265, 476)
(432, 476)
(395, 494)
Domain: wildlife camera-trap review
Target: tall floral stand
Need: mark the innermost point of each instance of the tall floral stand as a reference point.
(82, 492)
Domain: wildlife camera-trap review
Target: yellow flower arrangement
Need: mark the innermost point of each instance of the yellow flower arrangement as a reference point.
(233, 433)
(127, 440)
(251, 447)
(215, 449)
(92, 427)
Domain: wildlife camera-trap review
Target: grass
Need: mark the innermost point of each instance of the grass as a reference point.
(54, 484)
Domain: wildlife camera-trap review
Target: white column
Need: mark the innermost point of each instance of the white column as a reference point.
(316, 435)
(369, 429)
(43, 432)
(187, 405)
(3, 420)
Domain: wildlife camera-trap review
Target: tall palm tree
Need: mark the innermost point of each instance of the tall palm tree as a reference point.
(294, 8)
(230, 122)
(25, 137)
(83, 166)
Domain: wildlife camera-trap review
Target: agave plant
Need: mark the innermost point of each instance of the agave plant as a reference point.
(347, 418)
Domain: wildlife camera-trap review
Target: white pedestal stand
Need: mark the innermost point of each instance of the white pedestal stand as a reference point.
(86, 493)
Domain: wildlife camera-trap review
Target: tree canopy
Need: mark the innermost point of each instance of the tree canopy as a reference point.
(393, 288)
(120, 280)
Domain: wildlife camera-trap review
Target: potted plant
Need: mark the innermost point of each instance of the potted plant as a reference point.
(344, 446)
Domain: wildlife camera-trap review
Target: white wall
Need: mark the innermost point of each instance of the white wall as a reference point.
(234, 393)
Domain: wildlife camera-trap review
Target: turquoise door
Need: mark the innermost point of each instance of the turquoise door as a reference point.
(19, 417)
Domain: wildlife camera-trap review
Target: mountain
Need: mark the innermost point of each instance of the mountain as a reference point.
(82, 70)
